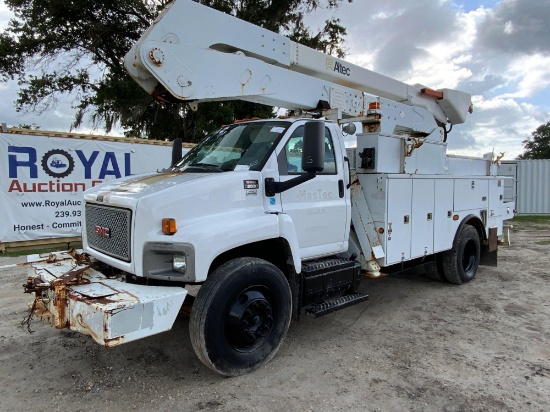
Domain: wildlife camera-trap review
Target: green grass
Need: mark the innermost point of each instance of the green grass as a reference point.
(26, 252)
(532, 218)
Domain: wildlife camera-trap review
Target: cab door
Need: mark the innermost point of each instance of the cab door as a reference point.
(319, 208)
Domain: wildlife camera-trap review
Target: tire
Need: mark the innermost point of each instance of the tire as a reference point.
(460, 264)
(434, 269)
(240, 316)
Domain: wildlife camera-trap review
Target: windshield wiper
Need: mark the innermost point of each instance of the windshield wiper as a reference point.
(207, 166)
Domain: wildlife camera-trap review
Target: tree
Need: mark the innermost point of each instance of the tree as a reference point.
(537, 147)
(54, 47)
(33, 126)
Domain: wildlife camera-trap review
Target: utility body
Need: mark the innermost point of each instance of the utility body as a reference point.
(273, 218)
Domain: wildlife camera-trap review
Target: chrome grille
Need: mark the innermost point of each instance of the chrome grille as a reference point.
(108, 230)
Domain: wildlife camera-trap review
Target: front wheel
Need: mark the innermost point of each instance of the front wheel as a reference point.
(240, 316)
(460, 264)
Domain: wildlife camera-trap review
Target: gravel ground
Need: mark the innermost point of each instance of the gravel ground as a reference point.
(416, 345)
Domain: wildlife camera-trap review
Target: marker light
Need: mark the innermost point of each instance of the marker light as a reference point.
(374, 108)
(433, 93)
(168, 226)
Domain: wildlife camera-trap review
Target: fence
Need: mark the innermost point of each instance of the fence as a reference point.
(43, 175)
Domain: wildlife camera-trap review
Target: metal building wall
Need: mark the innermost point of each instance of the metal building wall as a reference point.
(532, 186)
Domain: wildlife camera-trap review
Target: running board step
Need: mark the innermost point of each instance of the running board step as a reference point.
(333, 305)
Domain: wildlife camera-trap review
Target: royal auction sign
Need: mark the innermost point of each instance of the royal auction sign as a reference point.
(42, 179)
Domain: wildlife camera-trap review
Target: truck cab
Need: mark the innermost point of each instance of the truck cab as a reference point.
(216, 198)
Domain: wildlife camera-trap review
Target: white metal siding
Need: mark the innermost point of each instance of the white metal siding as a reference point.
(533, 186)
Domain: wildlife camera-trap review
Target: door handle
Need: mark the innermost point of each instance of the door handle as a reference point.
(341, 188)
(349, 172)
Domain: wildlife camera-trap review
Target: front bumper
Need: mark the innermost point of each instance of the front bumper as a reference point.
(78, 297)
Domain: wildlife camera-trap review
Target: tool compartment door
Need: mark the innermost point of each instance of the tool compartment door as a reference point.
(398, 239)
(422, 235)
(444, 225)
(471, 194)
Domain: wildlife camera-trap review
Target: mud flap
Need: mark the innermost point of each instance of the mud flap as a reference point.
(112, 312)
(489, 249)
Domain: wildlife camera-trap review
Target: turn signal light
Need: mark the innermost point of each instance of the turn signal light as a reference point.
(168, 226)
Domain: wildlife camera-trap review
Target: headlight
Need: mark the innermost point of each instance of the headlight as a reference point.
(179, 264)
(172, 261)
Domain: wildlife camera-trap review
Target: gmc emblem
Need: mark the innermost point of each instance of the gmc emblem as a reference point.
(102, 231)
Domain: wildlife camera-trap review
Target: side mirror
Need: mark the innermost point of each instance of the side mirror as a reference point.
(349, 128)
(177, 151)
(313, 159)
(313, 150)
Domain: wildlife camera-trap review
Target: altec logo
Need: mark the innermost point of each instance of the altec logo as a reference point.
(336, 66)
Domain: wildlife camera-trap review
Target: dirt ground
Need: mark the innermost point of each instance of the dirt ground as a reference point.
(416, 345)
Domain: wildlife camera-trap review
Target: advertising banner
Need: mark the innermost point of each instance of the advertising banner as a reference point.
(42, 179)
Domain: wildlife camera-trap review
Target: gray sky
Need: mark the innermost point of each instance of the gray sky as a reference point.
(497, 50)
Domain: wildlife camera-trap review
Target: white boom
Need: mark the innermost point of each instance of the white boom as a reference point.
(196, 53)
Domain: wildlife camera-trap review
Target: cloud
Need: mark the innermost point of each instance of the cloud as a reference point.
(481, 87)
(59, 118)
(440, 45)
(499, 123)
(423, 42)
(516, 26)
(397, 57)
(497, 50)
(531, 74)
(5, 16)
(389, 36)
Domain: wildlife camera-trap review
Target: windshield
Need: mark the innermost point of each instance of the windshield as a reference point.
(241, 146)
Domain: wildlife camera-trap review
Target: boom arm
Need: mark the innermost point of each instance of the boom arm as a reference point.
(195, 53)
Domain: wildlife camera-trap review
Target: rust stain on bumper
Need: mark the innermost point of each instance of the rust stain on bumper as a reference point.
(84, 300)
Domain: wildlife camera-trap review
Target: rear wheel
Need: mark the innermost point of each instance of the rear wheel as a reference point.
(460, 264)
(240, 316)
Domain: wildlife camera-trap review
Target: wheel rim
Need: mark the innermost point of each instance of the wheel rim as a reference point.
(469, 256)
(250, 320)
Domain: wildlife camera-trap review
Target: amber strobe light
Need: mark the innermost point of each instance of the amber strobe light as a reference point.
(169, 226)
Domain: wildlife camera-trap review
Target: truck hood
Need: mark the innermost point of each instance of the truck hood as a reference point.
(201, 203)
(129, 190)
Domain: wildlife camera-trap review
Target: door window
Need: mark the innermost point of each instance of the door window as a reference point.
(290, 159)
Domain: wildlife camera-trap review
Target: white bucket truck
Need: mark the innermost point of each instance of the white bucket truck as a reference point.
(271, 217)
